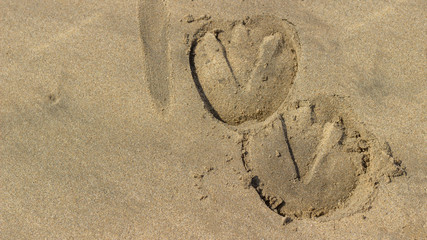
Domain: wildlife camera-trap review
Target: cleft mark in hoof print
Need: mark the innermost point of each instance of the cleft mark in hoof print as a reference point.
(244, 69)
(308, 158)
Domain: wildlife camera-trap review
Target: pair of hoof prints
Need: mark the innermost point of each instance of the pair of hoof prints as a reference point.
(307, 158)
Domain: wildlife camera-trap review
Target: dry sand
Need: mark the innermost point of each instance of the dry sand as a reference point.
(199, 119)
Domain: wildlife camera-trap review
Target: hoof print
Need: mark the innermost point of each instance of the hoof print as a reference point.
(244, 69)
(327, 160)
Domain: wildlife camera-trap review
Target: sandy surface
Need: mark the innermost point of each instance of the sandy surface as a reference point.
(106, 135)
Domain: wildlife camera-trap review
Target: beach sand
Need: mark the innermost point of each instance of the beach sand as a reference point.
(163, 120)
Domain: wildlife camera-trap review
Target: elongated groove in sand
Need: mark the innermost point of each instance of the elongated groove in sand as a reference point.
(153, 28)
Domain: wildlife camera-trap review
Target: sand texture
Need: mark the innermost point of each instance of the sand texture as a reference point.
(197, 119)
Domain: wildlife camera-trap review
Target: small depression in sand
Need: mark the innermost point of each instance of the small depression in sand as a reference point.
(244, 69)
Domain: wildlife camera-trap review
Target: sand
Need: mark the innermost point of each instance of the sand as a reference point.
(213, 119)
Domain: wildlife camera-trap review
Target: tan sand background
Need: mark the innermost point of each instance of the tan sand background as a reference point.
(85, 153)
